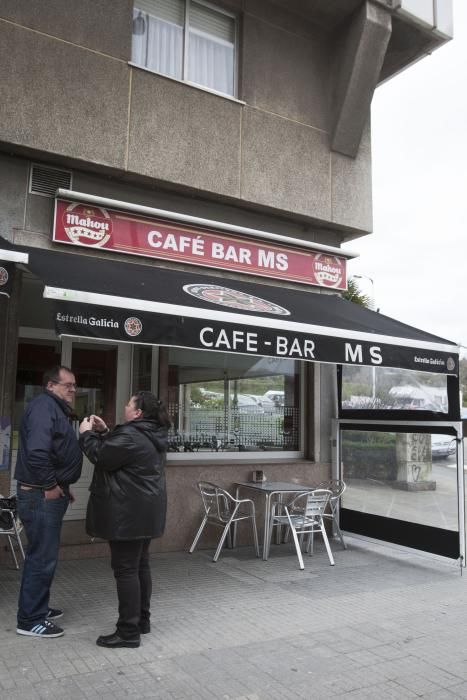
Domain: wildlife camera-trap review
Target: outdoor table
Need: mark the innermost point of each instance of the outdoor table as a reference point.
(269, 489)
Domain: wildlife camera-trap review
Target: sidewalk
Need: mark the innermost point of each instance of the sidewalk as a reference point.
(380, 624)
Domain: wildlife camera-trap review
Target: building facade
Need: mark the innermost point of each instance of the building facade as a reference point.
(247, 119)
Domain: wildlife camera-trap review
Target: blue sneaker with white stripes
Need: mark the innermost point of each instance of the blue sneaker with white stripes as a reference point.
(41, 629)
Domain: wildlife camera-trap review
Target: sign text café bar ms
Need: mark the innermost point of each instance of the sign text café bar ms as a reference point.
(90, 226)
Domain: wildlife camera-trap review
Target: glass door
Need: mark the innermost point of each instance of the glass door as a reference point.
(103, 378)
(35, 355)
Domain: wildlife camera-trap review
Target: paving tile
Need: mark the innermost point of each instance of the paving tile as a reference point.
(380, 624)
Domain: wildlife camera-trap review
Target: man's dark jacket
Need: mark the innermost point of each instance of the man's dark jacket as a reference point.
(128, 498)
(49, 451)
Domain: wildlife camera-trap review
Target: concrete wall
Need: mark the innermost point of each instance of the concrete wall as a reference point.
(82, 103)
(32, 215)
(185, 511)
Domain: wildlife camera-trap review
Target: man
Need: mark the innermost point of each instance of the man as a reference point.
(49, 460)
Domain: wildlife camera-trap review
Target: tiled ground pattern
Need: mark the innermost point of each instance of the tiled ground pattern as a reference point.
(381, 624)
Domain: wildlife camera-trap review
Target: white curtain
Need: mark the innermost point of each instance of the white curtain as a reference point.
(211, 63)
(159, 46)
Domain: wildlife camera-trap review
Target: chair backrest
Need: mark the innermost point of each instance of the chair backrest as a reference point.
(217, 501)
(317, 502)
(336, 486)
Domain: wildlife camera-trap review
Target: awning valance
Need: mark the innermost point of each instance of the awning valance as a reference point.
(124, 301)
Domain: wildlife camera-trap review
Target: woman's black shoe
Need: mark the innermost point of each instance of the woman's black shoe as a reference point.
(114, 641)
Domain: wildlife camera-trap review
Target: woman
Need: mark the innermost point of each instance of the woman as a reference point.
(127, 505)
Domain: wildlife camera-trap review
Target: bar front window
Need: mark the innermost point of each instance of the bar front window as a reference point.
(390, 389)
(226, 403)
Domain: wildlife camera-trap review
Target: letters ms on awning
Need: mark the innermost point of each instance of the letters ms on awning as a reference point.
(91, 226)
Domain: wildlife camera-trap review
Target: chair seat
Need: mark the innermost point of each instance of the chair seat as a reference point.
(299, 521)
(11, 526)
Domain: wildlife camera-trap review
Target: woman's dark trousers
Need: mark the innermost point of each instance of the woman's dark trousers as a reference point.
(130, 564)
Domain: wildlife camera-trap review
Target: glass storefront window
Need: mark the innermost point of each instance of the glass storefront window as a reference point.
(410, 477)
(232, 403)
(382, 388)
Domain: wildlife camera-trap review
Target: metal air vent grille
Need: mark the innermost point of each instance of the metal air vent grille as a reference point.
(45, 181)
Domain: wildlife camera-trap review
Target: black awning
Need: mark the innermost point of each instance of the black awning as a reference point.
(127, 301)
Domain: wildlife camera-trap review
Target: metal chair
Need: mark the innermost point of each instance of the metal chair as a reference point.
(222, 509)
(11, 526)
(303, 516)
(337, 488)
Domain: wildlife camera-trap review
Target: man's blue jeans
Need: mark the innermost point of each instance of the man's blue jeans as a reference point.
(42, 519)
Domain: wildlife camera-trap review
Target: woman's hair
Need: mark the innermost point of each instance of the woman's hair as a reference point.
(152, 407)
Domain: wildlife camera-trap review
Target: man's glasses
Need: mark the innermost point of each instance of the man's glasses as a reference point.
(67, 385)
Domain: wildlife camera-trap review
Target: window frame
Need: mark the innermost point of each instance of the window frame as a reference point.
(185, 51)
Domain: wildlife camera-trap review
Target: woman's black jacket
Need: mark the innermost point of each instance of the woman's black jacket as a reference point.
(128, 498)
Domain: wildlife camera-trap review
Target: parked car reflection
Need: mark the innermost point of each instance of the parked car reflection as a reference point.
(442, 446)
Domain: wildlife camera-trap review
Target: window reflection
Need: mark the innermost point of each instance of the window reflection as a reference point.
(142, 368)
(383, 388)
(232, 403)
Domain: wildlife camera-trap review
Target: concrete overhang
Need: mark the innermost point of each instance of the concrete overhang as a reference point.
(412, 36)
(374, 40)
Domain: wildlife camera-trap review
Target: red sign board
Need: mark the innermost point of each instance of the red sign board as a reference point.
(90, 226)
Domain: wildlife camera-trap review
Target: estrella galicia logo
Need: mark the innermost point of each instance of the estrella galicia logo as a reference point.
(216, 294)
(133, 326)
(4, 277)
(450, 364)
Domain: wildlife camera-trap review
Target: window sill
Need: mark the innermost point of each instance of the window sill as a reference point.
(265, 465)
(188, 84)
(177, 458)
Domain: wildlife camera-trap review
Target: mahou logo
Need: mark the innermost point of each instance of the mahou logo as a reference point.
(86, 225)
(328, 270)
(3, 277)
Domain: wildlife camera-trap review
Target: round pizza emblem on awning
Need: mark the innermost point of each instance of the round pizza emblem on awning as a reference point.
(133, 326)
(223, 296)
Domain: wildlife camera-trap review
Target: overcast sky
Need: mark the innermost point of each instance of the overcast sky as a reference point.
(417, 254)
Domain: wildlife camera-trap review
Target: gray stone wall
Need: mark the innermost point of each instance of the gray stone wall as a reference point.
(27, 218)
(69, 96)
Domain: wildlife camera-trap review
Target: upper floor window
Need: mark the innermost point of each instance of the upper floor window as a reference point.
(187, 40)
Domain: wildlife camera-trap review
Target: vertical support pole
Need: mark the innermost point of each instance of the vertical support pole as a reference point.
(460, 490)
(336, 463)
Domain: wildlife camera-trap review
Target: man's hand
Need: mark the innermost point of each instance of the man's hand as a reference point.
(85, 425)
(56, 492)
